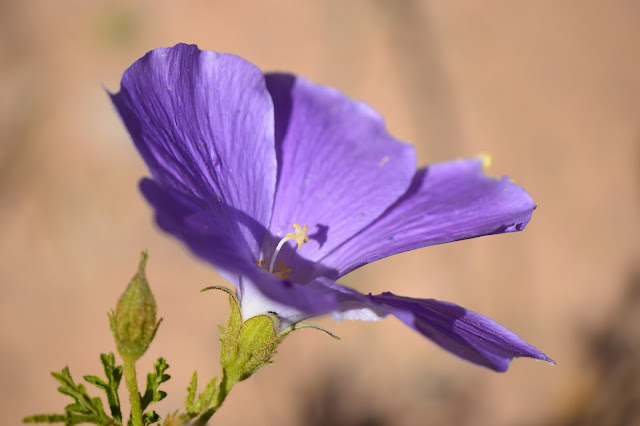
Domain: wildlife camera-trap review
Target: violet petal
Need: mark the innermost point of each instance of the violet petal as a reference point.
(203, 123)
(446, 202)
(467, 334)
(338, 168)
(464, 333)
(181, 216)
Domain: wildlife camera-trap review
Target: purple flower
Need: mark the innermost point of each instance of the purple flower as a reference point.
(237, 157)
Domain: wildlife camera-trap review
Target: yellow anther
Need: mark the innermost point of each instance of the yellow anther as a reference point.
(486, 159)
(300, 235)
(283, 272)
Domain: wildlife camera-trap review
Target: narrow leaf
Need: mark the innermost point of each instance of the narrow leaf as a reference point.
(45, 418)
(113, 373)
(206, 397)
(85, 408)
(96, 381)
(191, 393)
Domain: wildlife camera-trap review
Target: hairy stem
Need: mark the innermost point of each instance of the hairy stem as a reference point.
(134, 395)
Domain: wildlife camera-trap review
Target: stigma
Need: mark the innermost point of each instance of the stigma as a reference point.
(299, 236)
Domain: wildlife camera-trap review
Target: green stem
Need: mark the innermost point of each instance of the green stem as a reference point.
(134, 395)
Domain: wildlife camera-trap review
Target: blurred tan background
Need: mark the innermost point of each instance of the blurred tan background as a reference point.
(550, 89)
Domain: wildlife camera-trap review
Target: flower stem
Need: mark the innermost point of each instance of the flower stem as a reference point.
(134, 395)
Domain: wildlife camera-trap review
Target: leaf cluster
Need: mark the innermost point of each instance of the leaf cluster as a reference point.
(89, 409)
(85, 408)
(198, 407)
(152, 393)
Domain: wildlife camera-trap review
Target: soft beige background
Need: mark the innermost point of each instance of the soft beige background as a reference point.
(551, 89)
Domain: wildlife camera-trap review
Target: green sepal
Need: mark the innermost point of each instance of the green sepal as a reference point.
(222, 288)
(247, 346)
(300, 325)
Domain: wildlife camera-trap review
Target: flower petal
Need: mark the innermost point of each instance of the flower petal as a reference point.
(464, 333)
(467, 334)
(446, 202)
(203, 123)
(184, 217)
(338, 168)
(260, 291)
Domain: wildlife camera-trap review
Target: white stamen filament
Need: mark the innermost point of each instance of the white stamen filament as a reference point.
(300, 237)
(275, 253)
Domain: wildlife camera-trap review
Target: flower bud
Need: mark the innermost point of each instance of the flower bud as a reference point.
(133, 323)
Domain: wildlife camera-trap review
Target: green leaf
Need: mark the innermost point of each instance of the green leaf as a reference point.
(84, 409)
(150, 418)
(204, 402)
(69, 419)
(154, 380)
(189, 402)
(205, 399)
(84, 404)
(45, 418)
(114, 375)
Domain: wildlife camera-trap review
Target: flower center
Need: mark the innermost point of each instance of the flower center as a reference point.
(299, 236)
